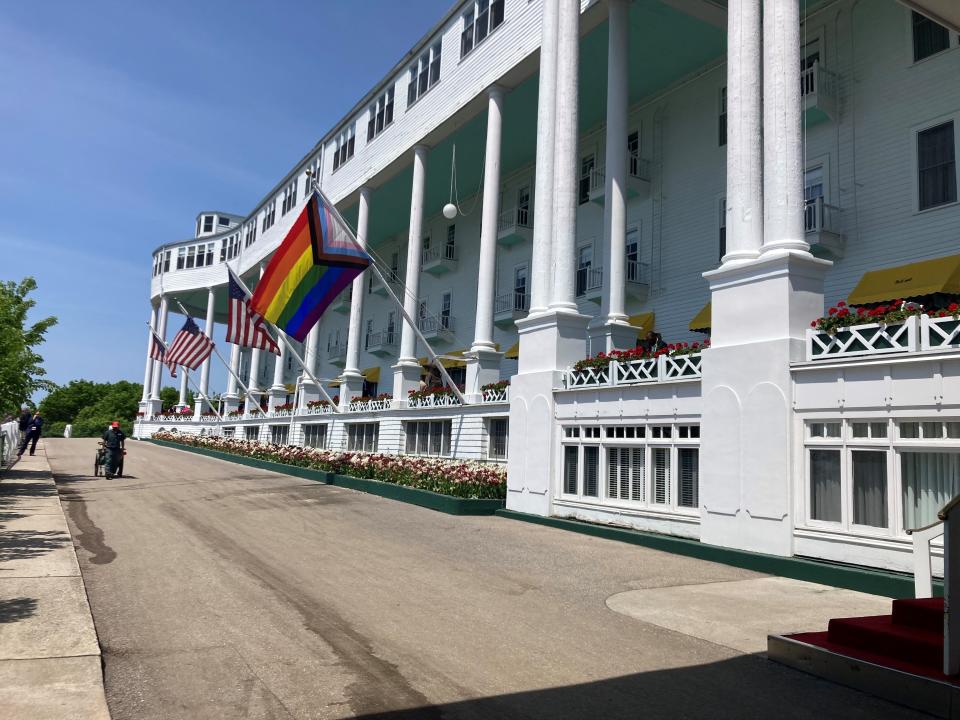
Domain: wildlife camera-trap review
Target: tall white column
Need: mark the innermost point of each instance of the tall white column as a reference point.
(563, 296)
(406, 375)
(352, 384)
(148, 370)
(184, 386)
(483, 361)
(308, 389)
(745, 166)
(540, 264)
(278, 390)
(231, 399)
(782, 133)
(253, 380)
(201, 404)
(159, 367)
(612, 330)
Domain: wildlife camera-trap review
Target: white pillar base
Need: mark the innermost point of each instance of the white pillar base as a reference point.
(309, 392)
(749, 466)
(231, 403)
(483, 368)
(549, 343)
(153, 406)
(406, 377)
(200, 406)
(248, 403)
(277, 396)
(608, 335)
(351, 386)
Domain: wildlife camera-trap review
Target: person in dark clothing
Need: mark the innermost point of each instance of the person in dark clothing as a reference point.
(32, 435)
(651, 342)
(113, 443)
(25, 417)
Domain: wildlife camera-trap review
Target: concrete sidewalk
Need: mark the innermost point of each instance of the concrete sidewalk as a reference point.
(49, 656)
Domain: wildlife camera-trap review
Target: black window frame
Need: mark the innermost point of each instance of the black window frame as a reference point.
(927, 171)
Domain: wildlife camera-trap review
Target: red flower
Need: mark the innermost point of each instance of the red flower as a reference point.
(953, 307)
(841, 304)
(833, 311)
(813, 323)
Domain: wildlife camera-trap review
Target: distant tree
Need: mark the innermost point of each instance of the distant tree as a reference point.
(64, 402)
(170, 397)
(21, 373)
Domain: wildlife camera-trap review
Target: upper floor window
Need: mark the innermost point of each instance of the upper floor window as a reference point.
(289, 198)
(208, 223)
(345, 145)
(381, 114)
(223, 221)
(314, 172)
(269, 215)
(936, 166)
(929, 38)
(251, 234)
(424, 73)
(479, 21)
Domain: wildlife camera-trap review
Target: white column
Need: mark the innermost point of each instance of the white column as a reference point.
(253, 380)
(278, 391)
(184, 381)
(159, 367)
(483, 332)
(745, 167)
(148, 370)
(203, 405)
(540, 267)
(308, 390)
(352, 384)
(782, 134)
(231, 399)
(407, 372)
(563, 296)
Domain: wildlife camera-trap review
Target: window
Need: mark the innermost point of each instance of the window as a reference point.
(251, 432)
(591, 470)
(722, 118)
(280, 434)
(269, 216)
(497, 433)
(586, 170)
(520, 287)
(289, 198)
(625, 473)
(395, 266)
(481, 19)
(381, 115)
(660, 467)
(229, 432)
(191, 256)
(723, 226)
(251, 234)
(315, 435)
(936, 166)
(446, 307)
(584, 263)
(929, 38)
(208, 223)
(427, 437)
(424, 74)
(222, 221)
(523, 206)
(812, 198)
(825, 485)
(345, 146)
(571, 456)
(688, 477)
(869, 488)
(362, 437)
(930, 481)
(166, 261)
(633, 255)
(450, 249)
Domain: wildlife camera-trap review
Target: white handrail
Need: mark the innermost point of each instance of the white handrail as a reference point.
(922, 560)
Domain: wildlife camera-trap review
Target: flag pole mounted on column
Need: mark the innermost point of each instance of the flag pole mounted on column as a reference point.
(406, 316)
(156, 338)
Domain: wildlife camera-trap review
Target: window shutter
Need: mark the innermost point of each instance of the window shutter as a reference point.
(689, 478)
(661, 476)
(570, 462)
(591, 470)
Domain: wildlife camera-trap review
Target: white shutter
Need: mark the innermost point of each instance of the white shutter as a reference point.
(591, 470)
(614, 473)
(637, 480)
(661, 476)
(570, 458)
(688, 477)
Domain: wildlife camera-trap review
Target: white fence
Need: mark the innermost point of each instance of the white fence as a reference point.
(635, 372)
(913, 334)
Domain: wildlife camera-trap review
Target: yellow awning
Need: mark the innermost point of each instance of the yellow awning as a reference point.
(448, 361)
(913, 280)
(643, 322)
(513, 352)
(701, 322)
(372, 374)
(334, 383)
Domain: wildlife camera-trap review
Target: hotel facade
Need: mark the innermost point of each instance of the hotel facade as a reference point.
(701, 168)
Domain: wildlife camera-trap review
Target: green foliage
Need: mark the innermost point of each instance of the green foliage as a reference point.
(169, 397)
(21, 373)
(91, 407)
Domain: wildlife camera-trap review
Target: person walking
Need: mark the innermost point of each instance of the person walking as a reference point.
(24, 420)
(34, 429)
(113, 444)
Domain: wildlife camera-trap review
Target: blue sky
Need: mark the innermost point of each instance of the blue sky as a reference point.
(120, 121)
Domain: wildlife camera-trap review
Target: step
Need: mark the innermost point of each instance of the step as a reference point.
(879, 635)
(923, 613)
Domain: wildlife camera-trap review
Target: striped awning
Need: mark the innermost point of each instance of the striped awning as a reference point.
(701, 322)
(914, 280)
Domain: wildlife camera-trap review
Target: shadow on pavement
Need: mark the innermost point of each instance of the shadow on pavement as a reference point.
(26, 544)
(17, 609)
(742, 687)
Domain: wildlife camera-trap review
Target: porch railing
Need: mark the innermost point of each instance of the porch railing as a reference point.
(434, 401)
(511, 302)
(445, 252)
(435, 324)
(817, 80)
(819, 216)
(513, 218)
(588, 279)
(636, 372)
(497, 396)
(638, 272)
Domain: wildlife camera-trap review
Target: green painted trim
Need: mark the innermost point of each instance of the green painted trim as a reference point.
(413, 496)
(876, 582)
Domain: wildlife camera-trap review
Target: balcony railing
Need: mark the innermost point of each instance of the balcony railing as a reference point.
(514, 217)
(381, 341)
(337, 351)
(496, 396)
(369, 406)
(589, 279)
(511, 302)
(445, 252)
(817, 80)
(434, 401)
(916, 333)
(638, 272)
(636, 372)
(818, 216)
(436, 324)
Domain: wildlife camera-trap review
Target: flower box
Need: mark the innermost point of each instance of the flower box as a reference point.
(865, 339)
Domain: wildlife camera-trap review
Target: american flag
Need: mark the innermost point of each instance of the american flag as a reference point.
(158, 351)
(244, 324)
(190, 347)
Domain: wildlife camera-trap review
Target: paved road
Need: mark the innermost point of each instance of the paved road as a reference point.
(220, 591)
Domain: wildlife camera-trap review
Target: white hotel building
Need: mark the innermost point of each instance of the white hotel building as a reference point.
(620, 164)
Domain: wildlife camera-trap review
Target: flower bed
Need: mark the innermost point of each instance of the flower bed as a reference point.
(455, 478)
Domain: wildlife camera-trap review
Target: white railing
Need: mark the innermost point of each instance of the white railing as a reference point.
(638, 272)
(939, 333)
(510, 303)
(636, 372)
(589, 279)
(9, 438)
(862, 340)
(436, 324)
(279, 413)
(922, 560)
(337, 350)
(369, 405)
(497, 396)
(638, 167)
(381, 340)
(176, 417)
(818, 216)
(434, 401)
(512, 218)
(445, 252)
(817, 80)
(598, 176)
(318, 410)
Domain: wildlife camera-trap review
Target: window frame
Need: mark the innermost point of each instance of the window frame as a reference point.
(425, 431)
(490, 438)
(915, 133)
(472, 27)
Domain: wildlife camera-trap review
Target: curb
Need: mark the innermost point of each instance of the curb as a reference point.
(413, 496)
(875, 582)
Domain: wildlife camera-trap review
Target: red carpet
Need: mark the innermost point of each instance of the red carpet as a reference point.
(910, 640)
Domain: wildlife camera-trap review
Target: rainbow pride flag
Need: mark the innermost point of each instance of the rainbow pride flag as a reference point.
(317, 259)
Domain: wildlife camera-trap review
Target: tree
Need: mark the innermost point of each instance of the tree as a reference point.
(169, 397)
(91, 407)
(21, 372)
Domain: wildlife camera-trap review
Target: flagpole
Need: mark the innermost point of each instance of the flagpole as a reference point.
(283, 336)
(245, 389)
(413, 325)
